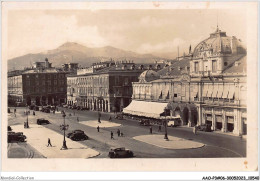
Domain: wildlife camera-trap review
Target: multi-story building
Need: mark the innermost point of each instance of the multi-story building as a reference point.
(107, 88)
(207, 88)
(40, 86)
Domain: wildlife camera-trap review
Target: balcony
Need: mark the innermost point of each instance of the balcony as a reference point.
(221, 102)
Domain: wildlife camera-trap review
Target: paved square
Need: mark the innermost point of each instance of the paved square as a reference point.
(37, 136)
(173, 143)
(103, 124)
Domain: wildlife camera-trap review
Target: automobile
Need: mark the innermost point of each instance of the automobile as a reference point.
(174, 122)
(204, 127)
(74, 107)
(119, 116)
(120, 153)
(77, 135)
(42, 121)
(9, 128)
(74, 131)
(144, 123)
(47, 110)
(16, 137)
(36, 108)
(31, 107)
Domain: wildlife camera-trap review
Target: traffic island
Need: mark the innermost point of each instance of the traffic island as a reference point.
(172, 142)
(102, 124)
(37, 137)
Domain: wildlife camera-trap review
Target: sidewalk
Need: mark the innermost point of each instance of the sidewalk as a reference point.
(37, 136)
(173, 143)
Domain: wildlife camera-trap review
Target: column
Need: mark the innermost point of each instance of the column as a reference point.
(189, 121)
(224, 121)
(237, 122)
(213, 127)
(199, 115)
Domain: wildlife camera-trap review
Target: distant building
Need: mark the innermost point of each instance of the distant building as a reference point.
(70, 66)
(208, 87)
(46, 64)
(39, 86)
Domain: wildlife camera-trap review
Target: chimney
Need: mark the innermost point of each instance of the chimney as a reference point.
(46, 63)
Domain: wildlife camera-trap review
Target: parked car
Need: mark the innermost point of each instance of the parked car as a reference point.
(174, 122)
(36, 108)
(77, 135)
(31, 107)
(42, 121)
(120, 153)
(204, 127)
(145, 123)
(16, 137)
(9, 128)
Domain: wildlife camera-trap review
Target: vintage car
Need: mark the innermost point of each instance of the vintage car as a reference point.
(42, 121)
(120, 153)
(36, 108)
(174, 122)
(9, 128)
(144, 122)
(31, 107)
(204, 127)
(77, 135)
(16, 137)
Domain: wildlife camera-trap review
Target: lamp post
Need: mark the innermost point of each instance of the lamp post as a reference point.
(27, 121)
(166, 124)
(64, 127)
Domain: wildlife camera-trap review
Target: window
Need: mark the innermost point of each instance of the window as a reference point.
(196, 67)
(36, 89)
(43, 82)
(28, 83)
(43, 89)
(55, 76)
(49, 76)
(55, 82)
(175, 95)
(37, 82)
(214, 65)
(225, 63)
(61, 89)
(55, 89)
(49, 89)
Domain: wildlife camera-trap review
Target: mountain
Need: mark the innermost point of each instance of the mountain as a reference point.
(71, 52)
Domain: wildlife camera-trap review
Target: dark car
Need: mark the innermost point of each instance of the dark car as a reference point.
(204, 127)
(36, 108)
(120, 153)
(47, 110)
(31, 107)
(42, 121)
(9, 128)
(145, 123)
(77, 135)
(16, 137)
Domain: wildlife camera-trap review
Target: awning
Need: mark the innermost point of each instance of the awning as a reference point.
(215, 91)
(147, 109)
(205, 90)
(231, 92)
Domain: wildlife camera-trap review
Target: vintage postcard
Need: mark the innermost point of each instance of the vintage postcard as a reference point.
(129, 86)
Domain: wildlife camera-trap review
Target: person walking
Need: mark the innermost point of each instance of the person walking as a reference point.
(195, 130)
(118, 132)
(112, 135)
(98, 129)
(33, 113)
(160, 128)
(151, 130)
(49, 142)
(14, 110)
(110, 118)
(78, 119)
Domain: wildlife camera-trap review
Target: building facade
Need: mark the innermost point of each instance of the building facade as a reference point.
(207, 88)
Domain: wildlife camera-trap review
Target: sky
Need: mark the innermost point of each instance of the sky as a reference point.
(142, 31)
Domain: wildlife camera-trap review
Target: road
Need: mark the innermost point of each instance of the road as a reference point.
(216, 145)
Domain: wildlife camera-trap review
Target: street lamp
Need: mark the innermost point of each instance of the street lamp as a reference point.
(166, 134)
(64, 127)
(27, 122)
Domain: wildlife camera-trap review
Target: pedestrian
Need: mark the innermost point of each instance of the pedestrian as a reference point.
(24, 124)
(160, 128)
(33, 113)
(14, 110)
(151, 130)
(195, 130)
(110, 118)
(49, 142)
(98, 129)
(112, 135)
(118, 132)
(122, 134)
(78, 119)
(53, 111)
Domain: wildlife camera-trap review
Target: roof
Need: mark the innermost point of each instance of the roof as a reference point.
(50, 70)
(176, 68)
(237, 65)
(219, 42)
(148, 76)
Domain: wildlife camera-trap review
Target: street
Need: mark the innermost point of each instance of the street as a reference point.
(202, 145)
